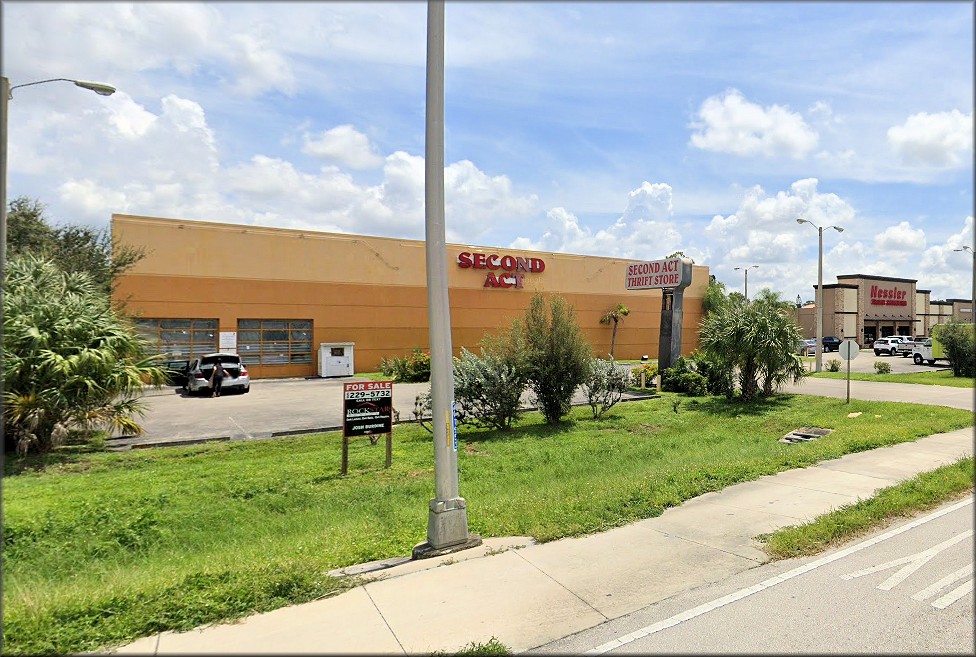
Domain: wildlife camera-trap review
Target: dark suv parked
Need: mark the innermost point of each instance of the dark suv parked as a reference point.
(831, 343)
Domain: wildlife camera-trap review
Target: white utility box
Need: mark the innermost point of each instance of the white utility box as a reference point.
(336, 358)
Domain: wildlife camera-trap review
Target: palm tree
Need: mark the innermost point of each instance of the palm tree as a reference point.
(757, 340)
(615, 315)
(70, 362)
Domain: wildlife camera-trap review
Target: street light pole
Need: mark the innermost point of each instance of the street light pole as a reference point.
(6, 93)
(746, 272)
(820, 231)
(447, 517)
(972, 298)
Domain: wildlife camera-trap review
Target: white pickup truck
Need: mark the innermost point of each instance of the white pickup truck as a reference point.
(907, 346)
(928, 352)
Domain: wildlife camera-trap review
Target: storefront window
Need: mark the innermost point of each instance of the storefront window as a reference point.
(179, 337)
(275, 341)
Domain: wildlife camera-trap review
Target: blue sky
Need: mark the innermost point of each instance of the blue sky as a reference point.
(615, 129)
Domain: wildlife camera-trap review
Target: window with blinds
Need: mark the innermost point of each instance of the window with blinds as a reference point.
(275, 341)
(179, 337)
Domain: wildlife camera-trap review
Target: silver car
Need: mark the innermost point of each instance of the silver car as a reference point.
(200, 370)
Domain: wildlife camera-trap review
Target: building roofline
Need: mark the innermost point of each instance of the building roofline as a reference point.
(879, 278)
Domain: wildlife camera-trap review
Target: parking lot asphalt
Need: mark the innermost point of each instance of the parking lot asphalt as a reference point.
(278, 407)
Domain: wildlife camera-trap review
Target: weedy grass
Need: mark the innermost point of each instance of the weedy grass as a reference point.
(935, 378)
(104, 548)
(923, 492)
(491, 647)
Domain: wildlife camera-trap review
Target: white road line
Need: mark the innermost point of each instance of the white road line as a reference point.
(769, 583)
(914, 561)
(240, 427)
(932, 589)
(953, 595)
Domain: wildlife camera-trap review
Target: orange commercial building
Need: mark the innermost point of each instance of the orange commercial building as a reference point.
(288, 301)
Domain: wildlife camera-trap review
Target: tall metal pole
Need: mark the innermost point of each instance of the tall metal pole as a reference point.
(447, 518)
(5, 104)
(820, 300)
(746, 285)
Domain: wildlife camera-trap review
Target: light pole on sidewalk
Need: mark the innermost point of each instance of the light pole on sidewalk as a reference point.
(820, 231)
(447, 516)
(745, 270)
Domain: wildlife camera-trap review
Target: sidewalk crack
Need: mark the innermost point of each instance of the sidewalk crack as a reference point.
(562, 586)
(385, 622)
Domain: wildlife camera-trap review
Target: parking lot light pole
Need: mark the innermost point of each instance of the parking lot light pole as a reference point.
(820, 231)
(447, 517)
(972, 298)
(745, 270)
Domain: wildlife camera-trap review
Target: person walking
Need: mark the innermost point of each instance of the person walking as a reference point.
(217, 378)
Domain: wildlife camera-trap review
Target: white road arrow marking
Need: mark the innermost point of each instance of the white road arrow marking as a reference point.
(931, 590)
(914, 561)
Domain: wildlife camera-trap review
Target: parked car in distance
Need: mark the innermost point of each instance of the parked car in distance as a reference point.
(200, 369)
(886, 346)
(176, 372)
(831, 343)
(808, 347)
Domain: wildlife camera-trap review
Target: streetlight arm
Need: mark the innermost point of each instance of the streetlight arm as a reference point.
(98, 87)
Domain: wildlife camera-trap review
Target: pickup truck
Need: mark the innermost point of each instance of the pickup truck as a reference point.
(928, 351)
(907, 347)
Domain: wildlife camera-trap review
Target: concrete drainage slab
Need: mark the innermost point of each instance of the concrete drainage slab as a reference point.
(804, 434)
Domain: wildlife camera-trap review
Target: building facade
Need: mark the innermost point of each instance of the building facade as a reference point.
(863, 308)
(276, 295)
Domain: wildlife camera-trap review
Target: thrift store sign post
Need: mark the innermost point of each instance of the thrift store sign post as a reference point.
(367, 410)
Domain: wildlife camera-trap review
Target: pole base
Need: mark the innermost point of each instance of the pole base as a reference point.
(447, 529)
(426, 551)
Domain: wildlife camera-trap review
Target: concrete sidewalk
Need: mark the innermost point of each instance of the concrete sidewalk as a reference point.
(527, 595)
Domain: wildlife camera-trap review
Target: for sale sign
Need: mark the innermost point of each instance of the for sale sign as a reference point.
(367, 408)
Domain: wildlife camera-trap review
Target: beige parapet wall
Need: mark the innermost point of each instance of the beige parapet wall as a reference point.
(372, 290)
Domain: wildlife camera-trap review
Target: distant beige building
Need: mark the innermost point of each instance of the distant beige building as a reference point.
(280, 297)
(862, 308)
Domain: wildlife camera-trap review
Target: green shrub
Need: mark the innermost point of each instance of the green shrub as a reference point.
(959, 347)
(488, 389)
(694, 384)
(605, 384)
(717, 374)
(649, 370)
(554, 353)
(670, 377)
(833, 365)
(414, 368)
(882, 367)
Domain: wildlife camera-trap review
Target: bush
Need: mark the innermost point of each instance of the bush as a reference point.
(414, 368)
(882, 367)
(488, 389)
(959, 346)
(604, 385)
(694, 384)
(671, 377)
(833, 365)
(717, 374)
(554, 353)
(682, 377)
(649, 370)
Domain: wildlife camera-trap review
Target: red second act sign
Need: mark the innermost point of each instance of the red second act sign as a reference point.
(367, 408)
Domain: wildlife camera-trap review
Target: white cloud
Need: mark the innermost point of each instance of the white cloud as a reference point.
(940, 140)
(901, 238)
(345, 145)
(644, 231)
(731, 124)
(129, 118)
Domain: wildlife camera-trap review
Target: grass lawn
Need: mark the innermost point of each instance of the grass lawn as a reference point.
(103, 548)
(937, 378)
(925, 491)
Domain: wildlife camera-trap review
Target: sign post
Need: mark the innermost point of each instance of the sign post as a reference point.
(367, 410)
(849, 350)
